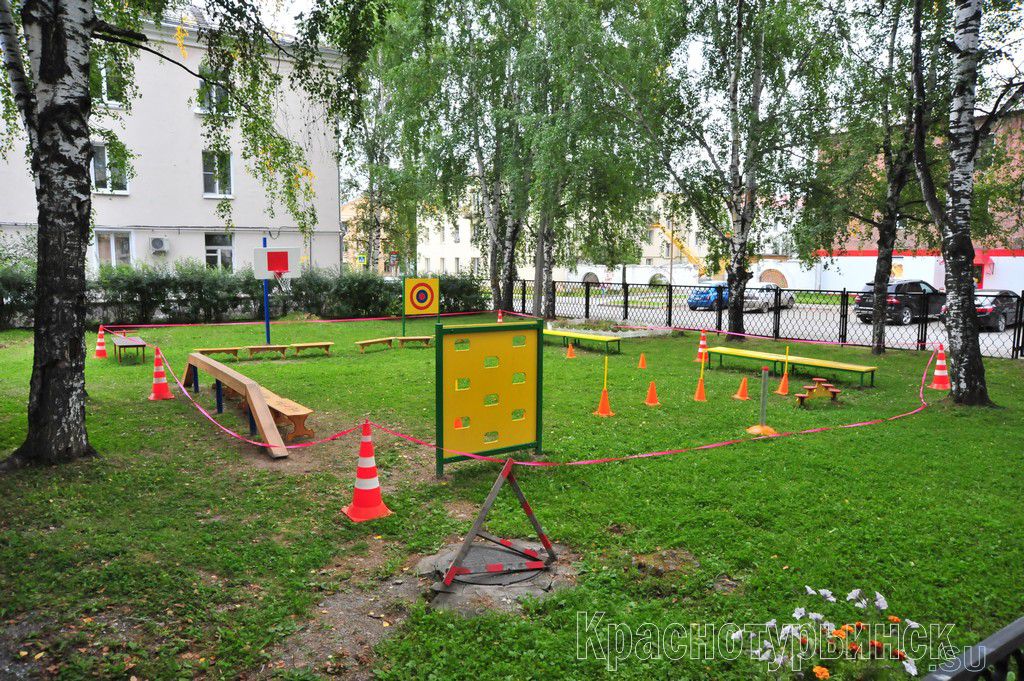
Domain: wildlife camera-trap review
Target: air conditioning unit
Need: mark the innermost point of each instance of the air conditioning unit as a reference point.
(158, 245)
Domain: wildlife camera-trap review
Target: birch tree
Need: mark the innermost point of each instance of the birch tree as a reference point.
(966, 129)
(48, 49)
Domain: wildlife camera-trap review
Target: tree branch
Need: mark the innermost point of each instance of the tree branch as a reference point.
(924, 172)
(999, 109)
(102, 27)
(14, 65)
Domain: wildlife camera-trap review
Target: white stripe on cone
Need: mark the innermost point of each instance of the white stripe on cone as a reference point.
(366, 462)
(367, 483)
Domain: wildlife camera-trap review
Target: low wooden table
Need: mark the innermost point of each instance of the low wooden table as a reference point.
(121, 342)
(223, 351)
(402, 340)
(253, 349)
(374, 341)
(325, 345)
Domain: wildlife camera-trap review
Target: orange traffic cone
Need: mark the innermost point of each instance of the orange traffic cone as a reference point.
(741, 394)
(367, 503)
(699, 396)
(702, 349)
(604, 407)
(643, 362)
(940, 380)
(161, 391)
(101, 346)
(570, 353)
(652, 396)
(501, 317)
(783, 385)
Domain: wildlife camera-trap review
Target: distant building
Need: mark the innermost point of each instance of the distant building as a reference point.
(166, 211)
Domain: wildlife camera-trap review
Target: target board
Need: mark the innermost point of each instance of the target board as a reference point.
(421, 296)
(489, 382)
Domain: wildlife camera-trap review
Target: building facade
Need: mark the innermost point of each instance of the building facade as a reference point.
(166, 210)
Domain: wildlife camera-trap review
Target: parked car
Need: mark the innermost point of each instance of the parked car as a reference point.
(904, 301)
(996, 309)
(706, 297)
(762, 298)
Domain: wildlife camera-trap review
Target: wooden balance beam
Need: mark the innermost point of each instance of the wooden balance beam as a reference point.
(249, 389)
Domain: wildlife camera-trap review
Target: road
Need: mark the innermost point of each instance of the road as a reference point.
(806, 321)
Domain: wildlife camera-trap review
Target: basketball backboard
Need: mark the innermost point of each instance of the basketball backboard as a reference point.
(276, 263)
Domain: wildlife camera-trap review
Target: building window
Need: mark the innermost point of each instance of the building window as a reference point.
(650, 261)
(426, 265)
(106, 83)
(458, 235)
(113, 248)
(440, 266)
(212, 97)
(108, 171)
(650, 236)
(474, 265)
(456, 265)
(219, 251)
(217, 174)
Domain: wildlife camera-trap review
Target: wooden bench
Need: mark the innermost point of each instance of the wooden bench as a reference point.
(821, 388)
(286, 412)
(253, 349)
(216, 351)
(374, 341)
(779, 360)
(402, 340)
(121, 342)
(299, 347)
(566, 336)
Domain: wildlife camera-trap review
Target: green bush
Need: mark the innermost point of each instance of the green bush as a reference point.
(135, 293)
(198, 293)
(311, 291)
(17, 295)
(461, 293)
(363, 295)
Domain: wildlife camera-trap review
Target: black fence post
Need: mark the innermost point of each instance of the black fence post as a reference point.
(554, 299)
(777, 322)
(522, 296)
(1018, 334)
(668, 314)
(922, 325)
(586, 300)
(718, 308)
(625, 300)
(844, 316)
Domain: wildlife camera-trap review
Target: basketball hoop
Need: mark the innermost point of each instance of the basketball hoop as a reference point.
(276, 263)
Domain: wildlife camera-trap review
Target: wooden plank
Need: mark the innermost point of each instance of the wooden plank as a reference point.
(253, 394)
(284, 405)
(324, 344)
(127, 342)
(582, 336)
(793, 359)
(210, 351)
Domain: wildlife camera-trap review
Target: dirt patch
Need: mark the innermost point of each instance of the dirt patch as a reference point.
(724, 584)
(346, 626)
(666, 563)
(19, 644)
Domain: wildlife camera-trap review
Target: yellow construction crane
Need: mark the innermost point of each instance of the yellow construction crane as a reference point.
(683, 248)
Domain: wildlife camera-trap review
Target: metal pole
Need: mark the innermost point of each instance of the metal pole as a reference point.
(266, 302)
(220, 396)
(764, 396)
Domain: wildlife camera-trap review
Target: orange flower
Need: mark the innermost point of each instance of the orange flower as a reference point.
(848, 628)
(821, 672)
(894, 619)
(899, 654)
(875, 645)
(803, 640)
(860, 626)
(839, 633)
(854, 648)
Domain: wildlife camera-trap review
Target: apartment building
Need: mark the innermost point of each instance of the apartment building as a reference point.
(166, 210)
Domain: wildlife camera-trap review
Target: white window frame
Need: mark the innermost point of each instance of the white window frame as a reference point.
(104, 98)
(113, 234)
(441, 266)
(220, 251)
(200, 107)
(426, 265)
(106, 159)
(231, 175)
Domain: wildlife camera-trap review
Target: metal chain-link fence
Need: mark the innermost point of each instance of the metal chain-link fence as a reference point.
(914, 320)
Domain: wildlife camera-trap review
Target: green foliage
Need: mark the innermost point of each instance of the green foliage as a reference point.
(461, 293)
(198, 293)
(136, 293)
(17, 295)
(180, 551)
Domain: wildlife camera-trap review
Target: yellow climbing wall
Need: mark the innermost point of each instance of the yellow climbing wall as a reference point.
(489, 389)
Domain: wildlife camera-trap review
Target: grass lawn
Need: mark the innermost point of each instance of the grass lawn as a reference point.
(181, 552)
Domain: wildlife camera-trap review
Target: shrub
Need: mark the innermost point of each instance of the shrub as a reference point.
(136, 293)
(198, 293)
(461, 293)
(363, 295)
(311, 291)
(17, 295)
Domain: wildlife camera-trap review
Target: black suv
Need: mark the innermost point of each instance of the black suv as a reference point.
(905, 301)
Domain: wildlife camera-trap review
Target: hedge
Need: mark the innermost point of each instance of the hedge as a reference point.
(192, 292)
